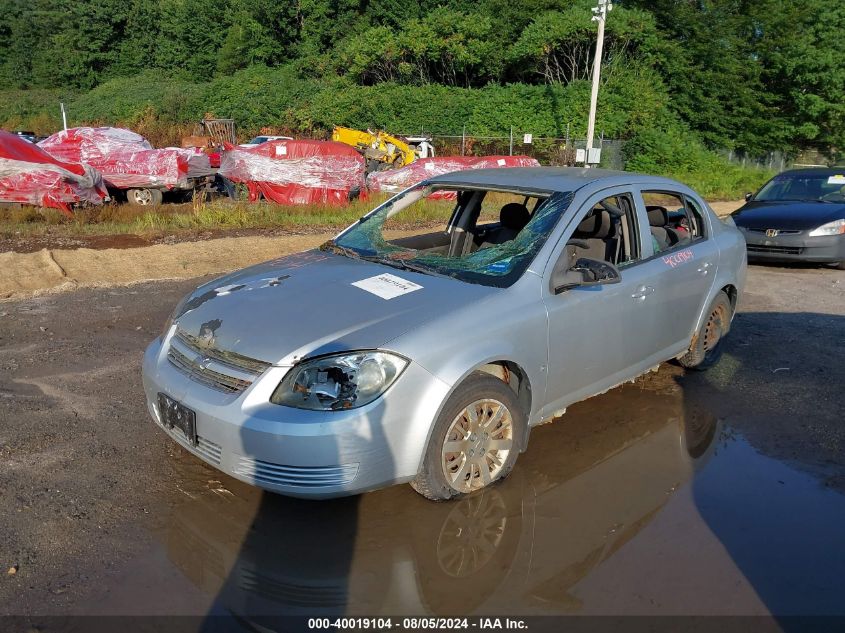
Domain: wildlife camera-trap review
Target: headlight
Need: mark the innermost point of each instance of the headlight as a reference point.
(837, 227)
(344, 381)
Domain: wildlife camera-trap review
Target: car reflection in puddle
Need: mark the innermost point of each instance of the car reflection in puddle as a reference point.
(634, 502)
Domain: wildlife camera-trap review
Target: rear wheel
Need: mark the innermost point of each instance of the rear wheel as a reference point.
(706, 348)
(841, 265)
(475, 440)
(144, 197)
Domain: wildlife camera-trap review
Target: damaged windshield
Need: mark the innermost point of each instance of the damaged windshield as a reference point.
(479, 235)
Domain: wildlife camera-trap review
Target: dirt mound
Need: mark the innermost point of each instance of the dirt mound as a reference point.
(51, 270)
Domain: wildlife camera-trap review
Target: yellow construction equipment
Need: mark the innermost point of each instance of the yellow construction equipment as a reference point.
(381, 150)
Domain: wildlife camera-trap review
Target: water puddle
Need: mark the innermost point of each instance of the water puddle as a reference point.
(636, 502)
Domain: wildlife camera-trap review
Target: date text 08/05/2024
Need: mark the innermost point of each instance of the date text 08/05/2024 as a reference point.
(417, 623)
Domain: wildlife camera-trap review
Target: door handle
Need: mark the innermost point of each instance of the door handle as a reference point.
(704, 268)
(642, 292)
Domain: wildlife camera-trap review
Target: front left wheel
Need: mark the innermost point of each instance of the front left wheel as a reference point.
(475, 440)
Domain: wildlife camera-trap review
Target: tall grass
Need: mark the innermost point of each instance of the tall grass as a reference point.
(730, 182)
(116, 219)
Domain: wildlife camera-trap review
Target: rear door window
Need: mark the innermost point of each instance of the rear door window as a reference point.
(674, 220)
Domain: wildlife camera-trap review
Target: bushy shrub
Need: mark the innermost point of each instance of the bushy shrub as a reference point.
(676, 153)
(37, 110)
(633, 105)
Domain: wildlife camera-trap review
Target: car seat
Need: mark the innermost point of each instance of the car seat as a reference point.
(598, 230)
(658, 221)
(513, 217)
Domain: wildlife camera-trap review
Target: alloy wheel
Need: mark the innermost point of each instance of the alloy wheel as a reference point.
(477, 445)
(143, 197)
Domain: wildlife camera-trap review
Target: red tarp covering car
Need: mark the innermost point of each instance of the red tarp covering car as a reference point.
(394, 180)
(126, 159)
(297, 171)
(29, 175)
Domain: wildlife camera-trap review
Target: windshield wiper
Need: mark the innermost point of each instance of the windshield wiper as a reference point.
(333, 247)
(800, 200)
(402, 264)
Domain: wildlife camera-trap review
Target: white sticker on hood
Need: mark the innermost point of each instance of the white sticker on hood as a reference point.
(836, 180)
(502, 162)
(281, 150)
(387, 286)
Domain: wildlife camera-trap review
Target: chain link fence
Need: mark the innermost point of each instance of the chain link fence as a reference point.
(777, 161)
(561, 151)
(547, 150)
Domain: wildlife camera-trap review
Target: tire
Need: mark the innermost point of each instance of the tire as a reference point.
(144, 197)
(706, 349)
(840, 265)
(474, 464)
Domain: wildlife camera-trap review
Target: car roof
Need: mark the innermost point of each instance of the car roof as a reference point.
(814, 171)
(547, 178)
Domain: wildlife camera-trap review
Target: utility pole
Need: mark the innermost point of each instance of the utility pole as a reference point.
(600, 16)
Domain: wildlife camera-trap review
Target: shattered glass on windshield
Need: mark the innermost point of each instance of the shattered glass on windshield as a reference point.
(493, 253)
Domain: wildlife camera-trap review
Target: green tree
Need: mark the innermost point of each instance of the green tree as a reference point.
(709, 64)
(85, 46)
(191, 33)
(246, 43)
(445, 46)
(800, 50)
(558, 46)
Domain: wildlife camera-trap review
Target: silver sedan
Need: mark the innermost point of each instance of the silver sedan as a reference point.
(427, 356)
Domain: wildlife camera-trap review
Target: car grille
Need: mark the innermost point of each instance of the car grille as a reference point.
(301, 476)
(774, 250)
(243, 363)
(225, 371)
(209, 450)
(780, 231)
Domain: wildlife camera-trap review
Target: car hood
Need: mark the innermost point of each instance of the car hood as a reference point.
(305, 305)
(787, 215)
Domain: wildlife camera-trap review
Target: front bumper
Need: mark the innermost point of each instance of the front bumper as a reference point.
(297, 452)
(797, 247)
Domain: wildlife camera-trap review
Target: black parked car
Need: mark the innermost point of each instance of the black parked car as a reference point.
(799, 215)
(27, 136)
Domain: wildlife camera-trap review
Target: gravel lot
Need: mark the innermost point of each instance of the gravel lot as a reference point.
(93, 496)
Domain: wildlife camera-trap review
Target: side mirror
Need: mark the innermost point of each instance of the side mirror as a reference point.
(585, 272)
(748, 196)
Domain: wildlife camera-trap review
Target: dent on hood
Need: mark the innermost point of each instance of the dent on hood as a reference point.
(221, 291)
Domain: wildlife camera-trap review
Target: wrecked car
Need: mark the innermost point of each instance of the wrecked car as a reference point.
(427, 356)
